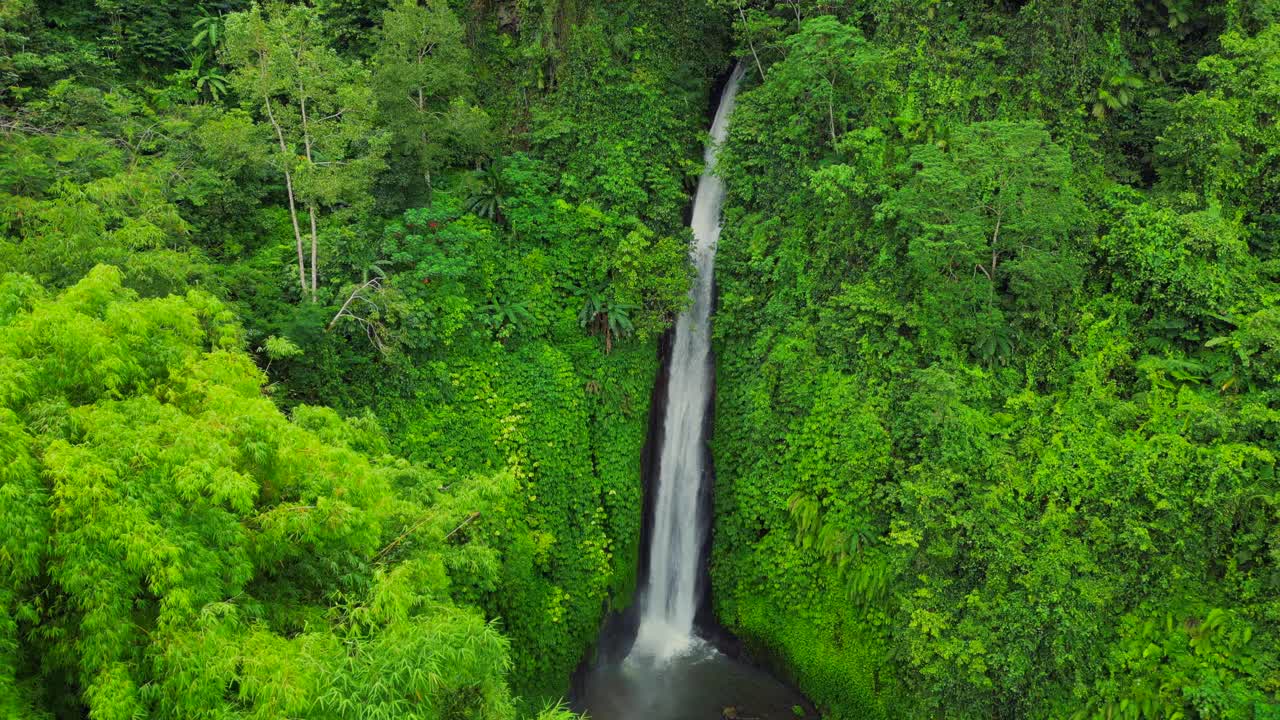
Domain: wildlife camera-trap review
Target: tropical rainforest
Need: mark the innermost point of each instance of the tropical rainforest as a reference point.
(328, 328)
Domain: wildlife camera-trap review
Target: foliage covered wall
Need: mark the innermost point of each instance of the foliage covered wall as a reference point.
(997, 340)
(456, 224)
(177, 548)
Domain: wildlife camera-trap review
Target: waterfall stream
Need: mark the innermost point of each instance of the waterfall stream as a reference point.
(670, 673)
(670, 599)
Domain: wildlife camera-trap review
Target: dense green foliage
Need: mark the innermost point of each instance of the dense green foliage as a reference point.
(326, 344)
(458, 225)
(997, 344)
(183, 550)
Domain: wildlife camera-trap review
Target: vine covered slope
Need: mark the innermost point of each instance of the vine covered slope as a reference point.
(997, 339)
(354, 304)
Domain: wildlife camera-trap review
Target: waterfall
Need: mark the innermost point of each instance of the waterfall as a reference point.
(670, 673)
(671, 596)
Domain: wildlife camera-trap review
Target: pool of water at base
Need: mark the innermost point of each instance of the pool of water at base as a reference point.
(699, 684)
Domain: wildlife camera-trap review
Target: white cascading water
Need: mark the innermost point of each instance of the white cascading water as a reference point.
(671, 597)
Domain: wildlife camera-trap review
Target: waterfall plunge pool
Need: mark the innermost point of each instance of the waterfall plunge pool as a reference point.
(701, 683)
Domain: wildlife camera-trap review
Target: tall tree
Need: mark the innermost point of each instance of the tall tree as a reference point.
(423, 83)
(993, 214)
(833, 61)
(319, 111)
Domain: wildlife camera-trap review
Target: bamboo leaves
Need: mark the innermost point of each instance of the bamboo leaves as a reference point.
(207, 558)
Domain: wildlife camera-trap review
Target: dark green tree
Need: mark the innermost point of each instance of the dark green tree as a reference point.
(424, 83)
(991, 221)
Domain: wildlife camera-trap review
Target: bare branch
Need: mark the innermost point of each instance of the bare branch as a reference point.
(371, 329)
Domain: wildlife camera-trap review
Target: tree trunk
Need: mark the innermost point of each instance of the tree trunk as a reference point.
(311, 208)
(751, 43)
(795, 5)
(293, 207)
(831, 111)
(315, 273)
